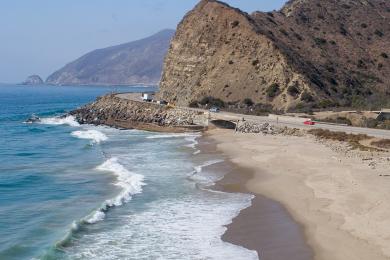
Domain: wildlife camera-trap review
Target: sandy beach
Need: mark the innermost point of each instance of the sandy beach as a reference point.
(338, 199)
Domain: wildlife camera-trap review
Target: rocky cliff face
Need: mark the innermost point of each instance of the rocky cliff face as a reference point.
(33, 80)
(317, 54)
(138, 62)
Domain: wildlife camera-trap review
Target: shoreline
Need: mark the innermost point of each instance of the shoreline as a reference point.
(341, 214)
(266, 226)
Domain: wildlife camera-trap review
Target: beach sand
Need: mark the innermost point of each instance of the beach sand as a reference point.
(266, 226)
(337, 204)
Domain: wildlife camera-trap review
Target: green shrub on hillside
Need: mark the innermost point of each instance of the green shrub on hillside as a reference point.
(194, 104)
(320, 41)
(326, 103)
(307, 97)
(248, 102)
(211, 102)
(273, 90)
(293, 91)
(379, 33)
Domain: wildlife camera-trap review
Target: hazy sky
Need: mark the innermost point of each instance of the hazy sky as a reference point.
(40, 36)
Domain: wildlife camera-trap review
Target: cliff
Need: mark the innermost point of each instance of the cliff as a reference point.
(133, 63)
(33, 80)
(310, 54)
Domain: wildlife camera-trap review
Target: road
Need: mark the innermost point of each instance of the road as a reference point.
(379, 133)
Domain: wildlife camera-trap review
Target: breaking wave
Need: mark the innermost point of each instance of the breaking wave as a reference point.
(130, 183)
(93, 135)
(68, 120)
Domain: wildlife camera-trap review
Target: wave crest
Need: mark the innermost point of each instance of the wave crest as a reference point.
(68, 120)
(131, 184)
(93, 135)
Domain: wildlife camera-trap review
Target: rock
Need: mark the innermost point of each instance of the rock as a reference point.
(33, 80)
(252, 127)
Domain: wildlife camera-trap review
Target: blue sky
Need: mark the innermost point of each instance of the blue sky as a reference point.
(40, 36)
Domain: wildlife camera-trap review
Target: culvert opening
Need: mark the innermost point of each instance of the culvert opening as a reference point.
(224, 124)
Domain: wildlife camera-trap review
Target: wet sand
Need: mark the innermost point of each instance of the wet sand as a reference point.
(314, 196)
(266, 226)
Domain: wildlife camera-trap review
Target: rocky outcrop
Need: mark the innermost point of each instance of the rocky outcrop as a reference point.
(135, 63)
(33, 80)
(250, 127)
(114, 111)
(256, 128)
(316, 54)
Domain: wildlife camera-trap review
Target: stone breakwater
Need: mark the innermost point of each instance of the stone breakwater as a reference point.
(129, 114)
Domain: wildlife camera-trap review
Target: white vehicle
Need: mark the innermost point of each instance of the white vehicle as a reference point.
(214, 110)
(147, 97)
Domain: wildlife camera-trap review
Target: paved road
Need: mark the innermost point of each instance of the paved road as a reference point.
(379, 133)
(281, 122)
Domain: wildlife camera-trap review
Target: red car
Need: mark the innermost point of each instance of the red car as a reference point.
(308, 122)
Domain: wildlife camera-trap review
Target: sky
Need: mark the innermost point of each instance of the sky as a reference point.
(41, 36)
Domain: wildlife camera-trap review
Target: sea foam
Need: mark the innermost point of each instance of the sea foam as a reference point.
(68, 120)
(94, 135)
(163, 136)
(130, 183)
(205, 178)
(181, 228)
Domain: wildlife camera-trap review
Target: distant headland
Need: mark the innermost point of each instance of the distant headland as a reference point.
(135, 63)
(33, 80)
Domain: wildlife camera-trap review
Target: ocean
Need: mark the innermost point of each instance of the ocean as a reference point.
(70, 191)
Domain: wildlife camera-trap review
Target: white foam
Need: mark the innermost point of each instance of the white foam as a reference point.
(95, 217)
(163, 136)
(94, 135)
(193, 141)
(189, 137)
(205, 178)
(186, 226)
(131, 184)
(182, 228)
(68, 120)
(207, 163)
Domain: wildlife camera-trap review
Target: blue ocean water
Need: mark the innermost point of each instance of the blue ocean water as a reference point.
(92, 192)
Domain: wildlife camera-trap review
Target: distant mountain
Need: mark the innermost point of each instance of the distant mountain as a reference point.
(311, 54)
(138, 62)
(33, 80)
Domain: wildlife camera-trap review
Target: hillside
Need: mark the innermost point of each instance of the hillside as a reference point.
(310, 54)
(138, 62)
(33, 80)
